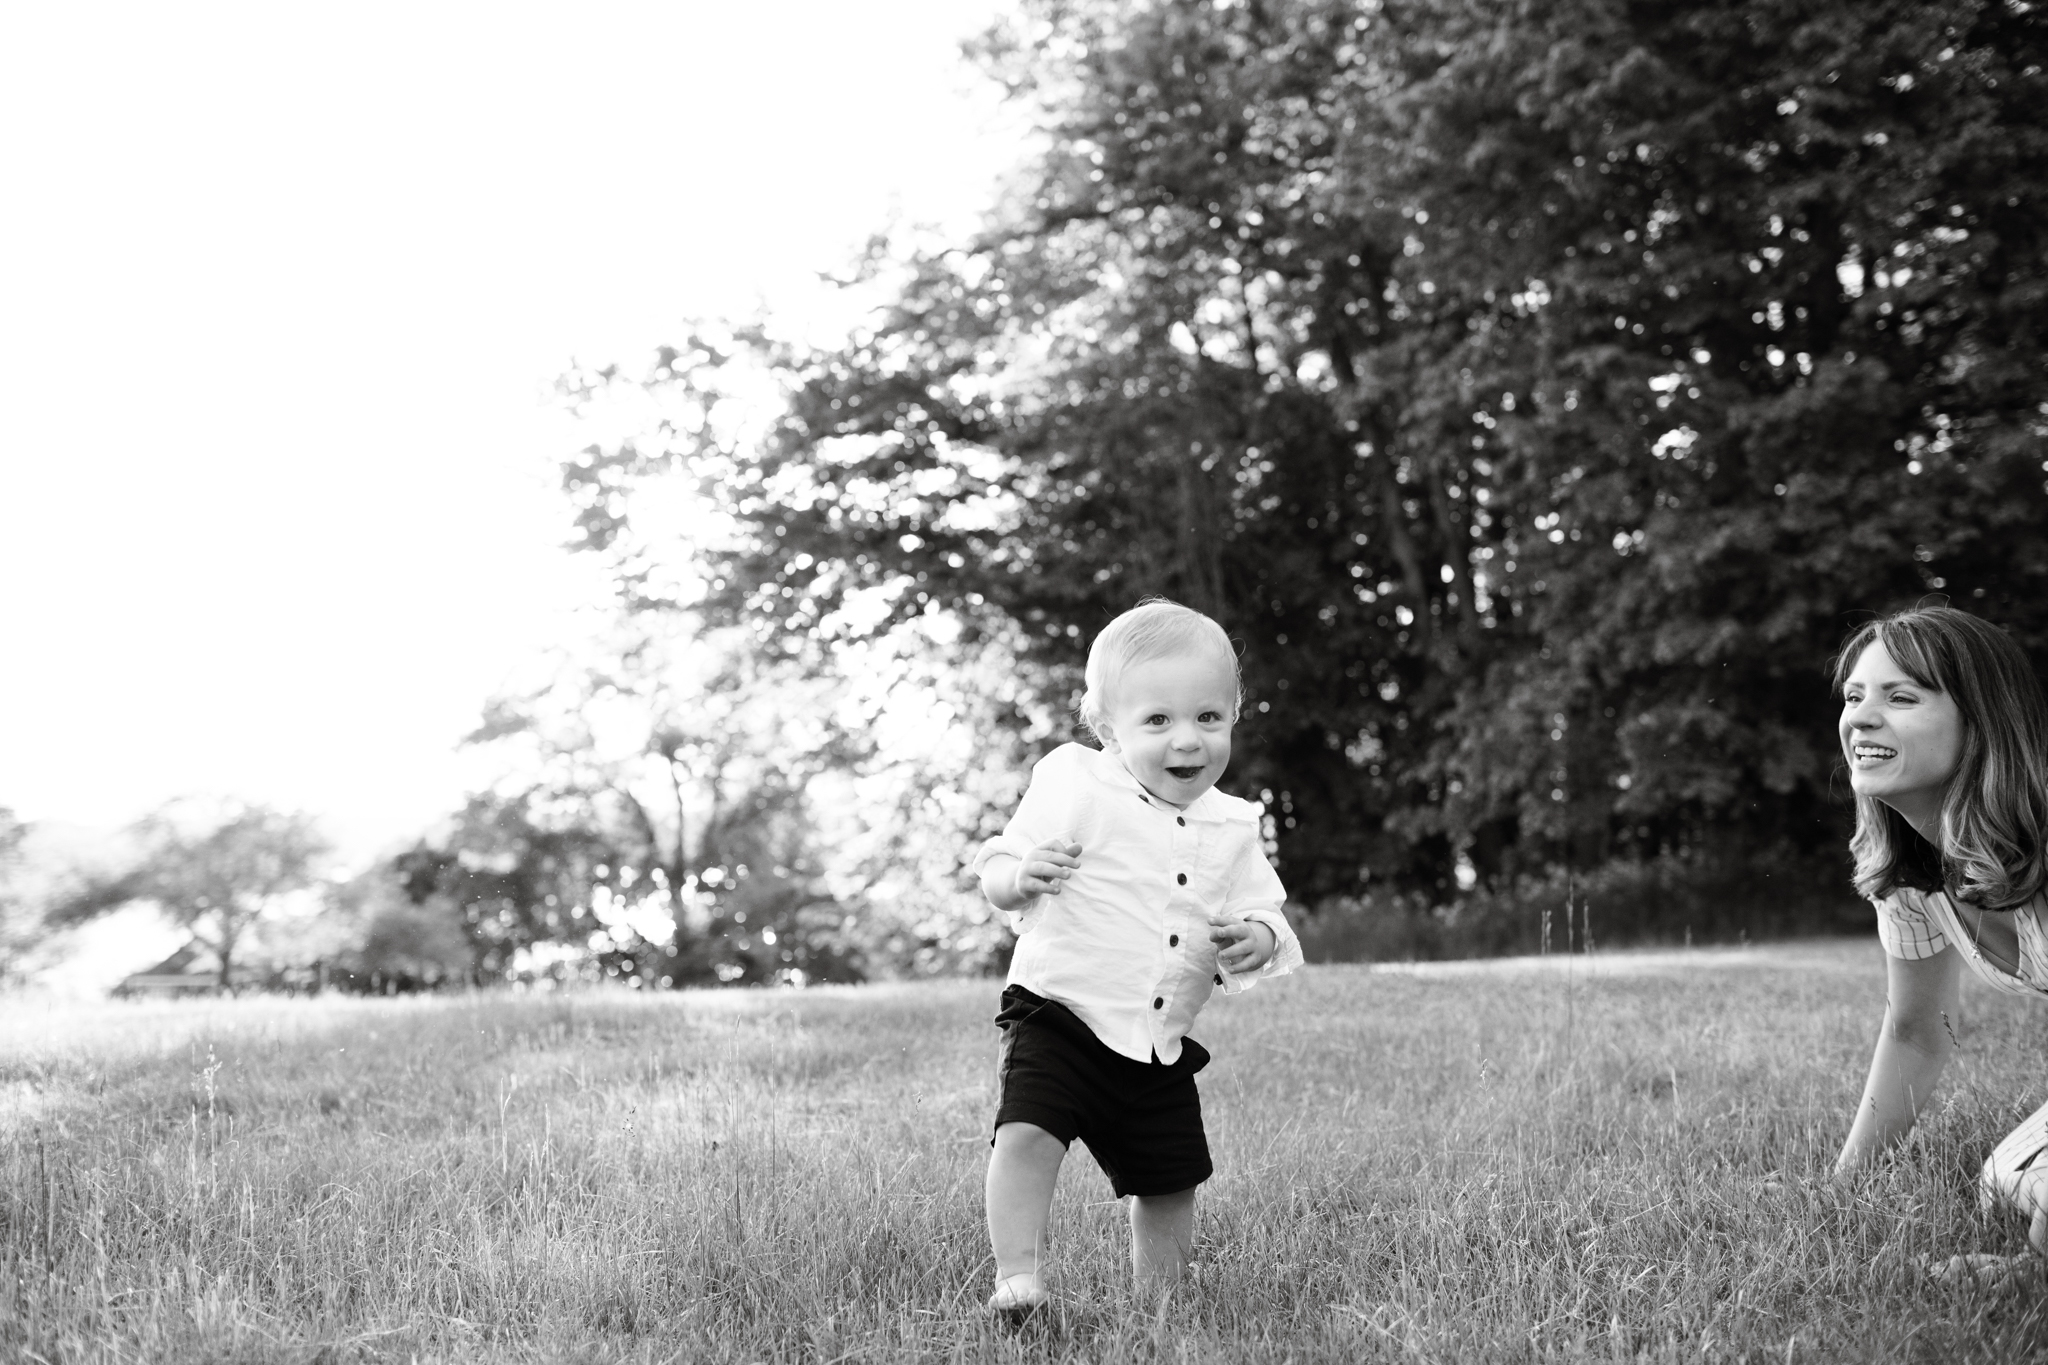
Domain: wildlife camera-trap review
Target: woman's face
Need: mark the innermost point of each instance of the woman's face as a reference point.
(1902, 739)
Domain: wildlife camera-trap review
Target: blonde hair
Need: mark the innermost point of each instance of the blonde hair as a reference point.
(1994, 811)
(1154, 629)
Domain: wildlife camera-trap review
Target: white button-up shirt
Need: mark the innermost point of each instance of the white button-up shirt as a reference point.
(1125, 945)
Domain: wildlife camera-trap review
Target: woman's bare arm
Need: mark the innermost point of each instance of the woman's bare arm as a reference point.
(1912, 1048)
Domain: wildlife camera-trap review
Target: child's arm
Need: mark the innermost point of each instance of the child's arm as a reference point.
(1243, 945)
(1040, 847)
(1253, 944)
(1011, 883)
(1252, 935)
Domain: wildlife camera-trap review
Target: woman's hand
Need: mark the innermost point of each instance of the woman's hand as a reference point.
(1980, 1269)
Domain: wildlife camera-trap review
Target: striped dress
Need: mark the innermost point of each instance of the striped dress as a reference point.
(1914, 924)
(1918, 924)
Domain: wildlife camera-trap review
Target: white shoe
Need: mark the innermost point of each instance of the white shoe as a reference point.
(1017, 1297)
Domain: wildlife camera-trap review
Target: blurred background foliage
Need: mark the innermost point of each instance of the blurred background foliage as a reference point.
(1538, 394)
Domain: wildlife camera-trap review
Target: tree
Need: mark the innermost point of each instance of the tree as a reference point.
(517, 874)
(1765, 282)
(215, 871)
(1110, 395)
(654, 803)
(1536, 392)
(384, 940)
(18, 927)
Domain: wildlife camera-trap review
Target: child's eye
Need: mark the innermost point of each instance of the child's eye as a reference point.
(1156, 718)
(1211, 717)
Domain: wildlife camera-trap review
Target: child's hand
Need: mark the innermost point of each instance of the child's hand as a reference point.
(1241, 945)
(1040, 872)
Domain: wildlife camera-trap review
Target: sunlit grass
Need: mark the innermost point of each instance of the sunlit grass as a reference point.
(1523, 1160)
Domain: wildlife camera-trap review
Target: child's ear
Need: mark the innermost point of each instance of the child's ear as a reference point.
(1104, 733)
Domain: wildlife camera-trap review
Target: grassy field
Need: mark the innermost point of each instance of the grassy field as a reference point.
(1552, 1159)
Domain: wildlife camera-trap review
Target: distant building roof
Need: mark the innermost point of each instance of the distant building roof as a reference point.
(194, 967)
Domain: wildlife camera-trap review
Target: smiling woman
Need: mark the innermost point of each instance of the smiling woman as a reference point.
(1945, 729)
(1903, 738)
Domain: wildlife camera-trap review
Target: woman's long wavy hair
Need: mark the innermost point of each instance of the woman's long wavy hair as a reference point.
(1994, 812)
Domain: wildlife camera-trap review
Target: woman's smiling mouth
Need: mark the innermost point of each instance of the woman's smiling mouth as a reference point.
(1866, 753)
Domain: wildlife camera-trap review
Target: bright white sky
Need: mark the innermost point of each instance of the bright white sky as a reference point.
(282, 290)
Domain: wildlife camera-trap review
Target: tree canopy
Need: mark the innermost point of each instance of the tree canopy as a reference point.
(650, 804)
(1538, 393)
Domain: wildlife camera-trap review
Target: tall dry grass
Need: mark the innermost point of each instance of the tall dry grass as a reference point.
(1543, 1160)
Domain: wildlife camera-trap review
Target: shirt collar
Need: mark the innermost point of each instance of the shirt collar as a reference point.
(1111, 772)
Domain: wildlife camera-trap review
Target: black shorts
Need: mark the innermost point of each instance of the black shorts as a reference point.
(1142, 1121)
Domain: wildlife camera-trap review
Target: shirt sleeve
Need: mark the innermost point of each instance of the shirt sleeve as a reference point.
(1256, 895)
(1051, 806)
(1906, 929)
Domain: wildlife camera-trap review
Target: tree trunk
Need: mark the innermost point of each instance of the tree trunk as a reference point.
(225, 950)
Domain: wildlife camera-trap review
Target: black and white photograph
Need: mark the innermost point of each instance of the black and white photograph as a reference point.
(1163, 681)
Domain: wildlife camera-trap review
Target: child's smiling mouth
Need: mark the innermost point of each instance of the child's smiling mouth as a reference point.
(1187, 774)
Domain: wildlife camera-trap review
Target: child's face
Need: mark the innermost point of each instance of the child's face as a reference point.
(1169, 721)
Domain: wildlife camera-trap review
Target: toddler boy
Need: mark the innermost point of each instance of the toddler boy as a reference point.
(1136, 890)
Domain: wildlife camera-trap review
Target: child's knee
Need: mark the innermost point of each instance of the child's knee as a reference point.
(1165, 1203)
(1028, 1141)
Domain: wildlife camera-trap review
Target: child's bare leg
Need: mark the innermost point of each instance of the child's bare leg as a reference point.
(1162, 1236)
(1022, 1171)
